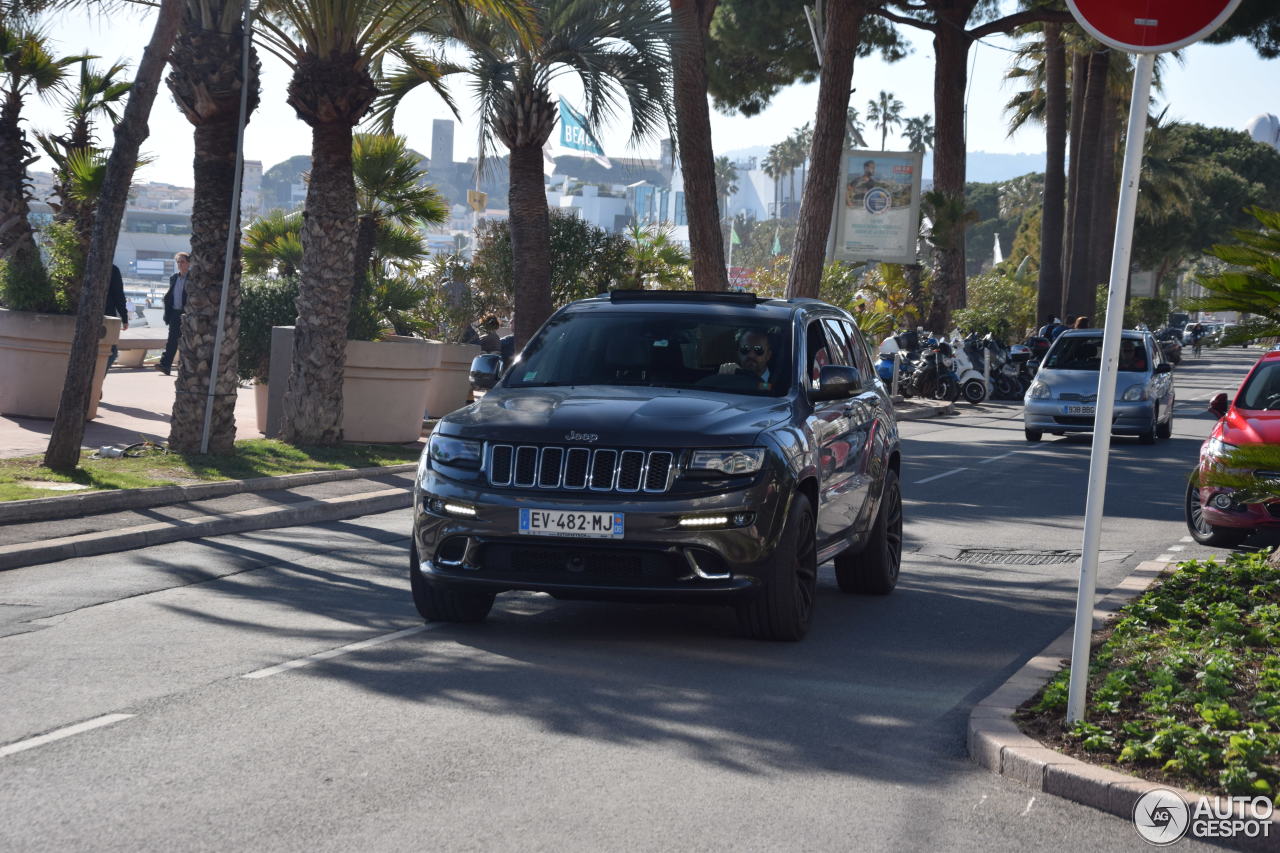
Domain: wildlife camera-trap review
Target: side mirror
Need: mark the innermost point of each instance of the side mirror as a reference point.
(836, 382)
(485, 370)
(1164, 367)
(1218, 405)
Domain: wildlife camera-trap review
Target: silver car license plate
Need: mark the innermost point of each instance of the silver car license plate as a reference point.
(1080, 410)
(577, 525)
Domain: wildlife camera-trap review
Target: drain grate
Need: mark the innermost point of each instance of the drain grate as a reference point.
(988, 557)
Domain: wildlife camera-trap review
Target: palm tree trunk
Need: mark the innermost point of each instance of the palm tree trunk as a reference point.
(68, 427)
(313, 403)
(951, 49)
(1081, 289)
(214, 173)
(691, 20)
(840, 45)
(1106, 190)
(1049, 293)
(17, 243)
(531, 241)
(1079, 82)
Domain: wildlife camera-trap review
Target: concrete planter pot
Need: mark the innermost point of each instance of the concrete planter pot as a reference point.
(450, 380)
(384, 388)
(34, 352)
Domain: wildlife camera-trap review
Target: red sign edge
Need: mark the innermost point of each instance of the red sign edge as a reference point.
(1218, 21)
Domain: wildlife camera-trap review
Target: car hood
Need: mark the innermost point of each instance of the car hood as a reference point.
(1085, 382)
(613, 417)
(1251, 426)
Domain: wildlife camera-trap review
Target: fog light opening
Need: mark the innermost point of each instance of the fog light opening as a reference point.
(453, 551)
(1221, 501)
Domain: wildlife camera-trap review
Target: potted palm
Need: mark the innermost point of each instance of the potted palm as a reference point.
(37, 302)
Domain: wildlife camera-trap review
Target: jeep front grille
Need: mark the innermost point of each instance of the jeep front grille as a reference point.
(601, 469)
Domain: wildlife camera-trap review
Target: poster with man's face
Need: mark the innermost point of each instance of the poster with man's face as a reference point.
(879, 210)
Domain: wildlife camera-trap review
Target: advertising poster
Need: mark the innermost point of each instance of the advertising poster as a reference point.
(878, 215)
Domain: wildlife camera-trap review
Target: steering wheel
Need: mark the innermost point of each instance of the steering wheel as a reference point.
(1271, 401)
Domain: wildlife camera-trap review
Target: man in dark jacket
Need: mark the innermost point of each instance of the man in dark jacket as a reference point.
(116, 307)
(175, 303)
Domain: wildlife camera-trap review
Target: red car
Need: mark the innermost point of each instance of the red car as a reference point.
(1214, 515)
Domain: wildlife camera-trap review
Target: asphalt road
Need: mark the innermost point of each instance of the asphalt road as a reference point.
(563, 725)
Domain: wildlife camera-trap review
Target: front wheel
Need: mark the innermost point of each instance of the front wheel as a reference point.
(438, 603)
(784, 608)
(1204, 532)
(875, 569)
(1165, 430)
(974, 392)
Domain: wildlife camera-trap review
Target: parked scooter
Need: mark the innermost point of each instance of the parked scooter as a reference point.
(973, 387)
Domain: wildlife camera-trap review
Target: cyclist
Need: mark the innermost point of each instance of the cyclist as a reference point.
(1197, 332)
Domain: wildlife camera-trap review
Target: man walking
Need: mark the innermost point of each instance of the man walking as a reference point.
(175, 302)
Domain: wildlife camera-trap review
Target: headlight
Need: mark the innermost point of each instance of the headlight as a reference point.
(1135, 392)
(455, 452)
(1038, 391)
(1216, 448)
(741, 461)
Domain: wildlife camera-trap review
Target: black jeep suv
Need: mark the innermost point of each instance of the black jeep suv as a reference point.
(708, 447)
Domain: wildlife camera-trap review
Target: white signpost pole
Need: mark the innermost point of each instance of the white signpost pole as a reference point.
(1105, 404)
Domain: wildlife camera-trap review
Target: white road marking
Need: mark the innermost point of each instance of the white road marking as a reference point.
(1177, 547)
(340, 650)
(59, 734)
(940, 476)
(1001, 456)
(1027, 810)
(1164, 558)
(979, 802)
(1186, 539)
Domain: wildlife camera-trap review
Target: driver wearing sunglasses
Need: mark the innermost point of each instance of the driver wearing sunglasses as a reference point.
(754, 354)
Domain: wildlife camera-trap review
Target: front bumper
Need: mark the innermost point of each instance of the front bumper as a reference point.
(656, 558)
(1251, 515)
(1055, 416)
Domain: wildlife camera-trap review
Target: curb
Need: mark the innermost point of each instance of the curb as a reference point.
(171, 530)
(74, 506)
(997, 743)
(919, 409)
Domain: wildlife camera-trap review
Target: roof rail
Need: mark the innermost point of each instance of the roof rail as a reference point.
(726, 296)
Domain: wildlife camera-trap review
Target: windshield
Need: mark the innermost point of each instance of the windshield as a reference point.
(741, 355)
(1262, 389)
(1085, 353)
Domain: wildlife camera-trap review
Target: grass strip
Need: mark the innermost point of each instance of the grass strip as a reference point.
(1185, 686)
(253, 458)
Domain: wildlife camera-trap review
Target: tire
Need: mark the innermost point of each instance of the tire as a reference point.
(874, 571)
(974, 392)
(439, 603)
(1033, 435)
(1007, 388)
(1165, 430)
(1149, 436)
(783, 610)
(946, 389)
(1204, 532)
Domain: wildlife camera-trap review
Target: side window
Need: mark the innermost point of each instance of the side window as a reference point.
(816, 352)
(861, 352)
(838, 342)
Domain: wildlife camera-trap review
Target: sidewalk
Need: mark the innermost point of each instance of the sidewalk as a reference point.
(137, 403)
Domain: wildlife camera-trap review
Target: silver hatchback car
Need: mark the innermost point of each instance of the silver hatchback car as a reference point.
(1062, 397)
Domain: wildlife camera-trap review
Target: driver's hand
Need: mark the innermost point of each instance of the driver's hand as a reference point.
(729, 367)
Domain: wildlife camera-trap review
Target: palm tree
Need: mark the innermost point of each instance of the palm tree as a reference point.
(273, 243)
(333, 47)
(773, 168)
(389, 192)
(794, 154)
(884, 112)
(98, 93)
(656, 258)
(206, 79)
(803, 137)
(919, 133)
(726, 183)
(1250, 284)
(617, 46)
(855, 128)
(27, 68)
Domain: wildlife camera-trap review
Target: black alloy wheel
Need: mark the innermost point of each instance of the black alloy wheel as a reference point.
(439, 603)
(783, 610)
(874, 571)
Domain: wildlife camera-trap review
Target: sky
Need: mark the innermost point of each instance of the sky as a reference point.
(1221, 86)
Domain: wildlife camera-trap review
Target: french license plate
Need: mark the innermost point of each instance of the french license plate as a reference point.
(578, 525)
(1080, 410)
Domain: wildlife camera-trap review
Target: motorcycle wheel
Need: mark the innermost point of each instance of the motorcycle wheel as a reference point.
(974, 392)
(946, 389)
(1006, 388)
